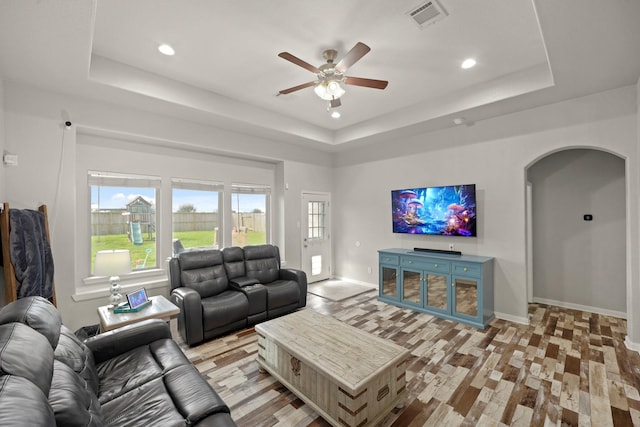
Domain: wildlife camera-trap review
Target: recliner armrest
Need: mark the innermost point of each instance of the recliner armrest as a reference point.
(190, 297)
(297, 276)
(244, 281)
(107, 345)
(174, 273)
(190, 324)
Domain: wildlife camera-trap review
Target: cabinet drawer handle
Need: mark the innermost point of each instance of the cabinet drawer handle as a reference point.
(409, 262)
(435, 265)
(383, 392)
(465, 269)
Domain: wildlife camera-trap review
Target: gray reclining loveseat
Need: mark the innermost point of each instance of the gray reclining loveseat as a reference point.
(219, 291)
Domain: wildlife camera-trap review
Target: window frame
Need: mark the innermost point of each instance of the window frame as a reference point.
(244, 188)
(125, 180)
(200, 185)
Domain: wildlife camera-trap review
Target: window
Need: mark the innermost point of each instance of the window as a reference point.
(196, 207)
(124, 216)
(250, 209)
(316, 220)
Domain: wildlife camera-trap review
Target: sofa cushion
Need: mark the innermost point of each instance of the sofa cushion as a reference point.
(234, 262)
(37, 313)
(20, 399)
(72, 399)
(75, 354)
(203, 271)
(130, 370)
(147, 405)
(182, 397)
(281, 293)
(200, 259)
(262, 262)
(192, 395)
(126, 372)
(26, 353)
(223, 309)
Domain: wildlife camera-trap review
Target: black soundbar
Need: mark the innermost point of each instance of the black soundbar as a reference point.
(438, 251)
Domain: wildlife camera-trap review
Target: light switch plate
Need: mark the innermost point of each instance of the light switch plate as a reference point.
(10, 159)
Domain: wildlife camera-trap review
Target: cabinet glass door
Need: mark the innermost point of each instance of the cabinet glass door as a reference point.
(436, 291)
(466, 297)
(389, 282)
(411, 284)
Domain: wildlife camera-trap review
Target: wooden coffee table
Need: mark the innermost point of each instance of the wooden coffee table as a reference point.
(348, 376)
(160, 308)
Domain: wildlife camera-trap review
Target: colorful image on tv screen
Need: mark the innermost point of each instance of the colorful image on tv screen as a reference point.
(448, 210)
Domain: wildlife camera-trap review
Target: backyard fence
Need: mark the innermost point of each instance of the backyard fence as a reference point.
(104, 223)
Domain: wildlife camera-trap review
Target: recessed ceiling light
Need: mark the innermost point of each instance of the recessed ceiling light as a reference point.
(468, 63)
(335, 114)
(165, 49)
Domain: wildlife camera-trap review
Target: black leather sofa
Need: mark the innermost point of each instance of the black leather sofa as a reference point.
(219, 291)
(132, 376)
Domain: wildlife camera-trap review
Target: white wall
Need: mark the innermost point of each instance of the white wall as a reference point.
(106, 137)
(300, 177)
(578, 263)
(3, 178)
(493, 154)
(633, 244)
(2, 147)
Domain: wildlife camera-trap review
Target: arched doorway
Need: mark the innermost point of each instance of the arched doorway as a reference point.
(577, 234)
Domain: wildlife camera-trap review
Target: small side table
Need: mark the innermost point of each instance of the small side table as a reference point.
(160, 308)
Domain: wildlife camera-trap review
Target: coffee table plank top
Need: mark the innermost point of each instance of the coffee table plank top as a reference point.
(347, 355)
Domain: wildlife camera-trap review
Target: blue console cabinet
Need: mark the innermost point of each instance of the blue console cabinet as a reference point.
(455, 287)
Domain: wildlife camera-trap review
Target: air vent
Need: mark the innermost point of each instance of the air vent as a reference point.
(427, 13)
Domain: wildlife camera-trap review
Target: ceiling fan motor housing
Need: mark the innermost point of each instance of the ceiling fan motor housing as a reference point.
(330, 55)
(330, 75)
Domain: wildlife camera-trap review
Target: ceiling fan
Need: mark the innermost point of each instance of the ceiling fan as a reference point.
(330, 76)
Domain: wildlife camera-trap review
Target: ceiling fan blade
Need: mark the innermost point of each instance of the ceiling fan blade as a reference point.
(289, 57)
(353, 56)
(372, 83)
(295, 88)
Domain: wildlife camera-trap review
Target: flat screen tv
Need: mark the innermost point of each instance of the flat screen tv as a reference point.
(449, 210)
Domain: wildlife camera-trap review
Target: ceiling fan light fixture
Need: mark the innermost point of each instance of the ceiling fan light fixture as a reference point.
(329, 90)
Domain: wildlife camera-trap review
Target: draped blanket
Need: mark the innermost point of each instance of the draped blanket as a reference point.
(30, 253)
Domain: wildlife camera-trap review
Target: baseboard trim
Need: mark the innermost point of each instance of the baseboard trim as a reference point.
(512, 318)
(597, 310)
(634, 346)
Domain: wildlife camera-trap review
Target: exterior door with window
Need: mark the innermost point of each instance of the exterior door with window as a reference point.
(316, 236)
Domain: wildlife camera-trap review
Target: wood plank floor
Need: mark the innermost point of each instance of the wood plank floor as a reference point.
(568, 368)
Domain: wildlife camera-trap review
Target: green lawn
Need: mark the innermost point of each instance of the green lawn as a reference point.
(189, 239)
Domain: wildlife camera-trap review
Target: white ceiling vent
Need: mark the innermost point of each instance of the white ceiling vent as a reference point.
(427, 13)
